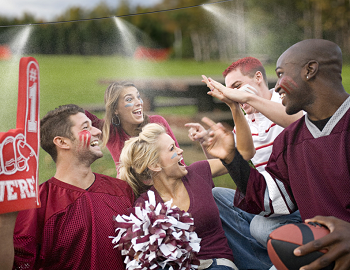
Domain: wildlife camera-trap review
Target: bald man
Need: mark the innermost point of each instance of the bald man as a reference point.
(310, 160)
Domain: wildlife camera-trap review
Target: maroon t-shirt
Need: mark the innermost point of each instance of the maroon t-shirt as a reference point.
(71, 229)
(205, 213)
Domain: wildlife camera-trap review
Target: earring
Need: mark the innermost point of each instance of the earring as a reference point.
(118, 120)
(307, 77)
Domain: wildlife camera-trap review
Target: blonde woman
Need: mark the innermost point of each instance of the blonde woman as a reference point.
(124, 117)
(154, 155)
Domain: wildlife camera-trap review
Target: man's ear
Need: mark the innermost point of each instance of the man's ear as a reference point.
(155, 167)
(259, 77)
(311, 68)
(61, 142)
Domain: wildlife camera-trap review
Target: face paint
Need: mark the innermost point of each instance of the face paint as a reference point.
(287, 84)
(141, 100)
(173, 156)
(129, 105)
(248, 88)
(84, 138)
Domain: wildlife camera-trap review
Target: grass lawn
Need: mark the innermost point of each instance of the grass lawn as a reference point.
(75, 79)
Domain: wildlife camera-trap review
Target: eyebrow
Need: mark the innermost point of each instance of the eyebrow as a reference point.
(172, 145)
(137, 93)
(86, 122)
(236, 82)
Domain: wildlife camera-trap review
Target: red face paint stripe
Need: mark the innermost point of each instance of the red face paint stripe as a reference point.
(85, 137)
(287, 84)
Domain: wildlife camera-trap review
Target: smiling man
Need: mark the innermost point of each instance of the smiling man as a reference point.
(246, 81)
(310, 159)
(71, 229)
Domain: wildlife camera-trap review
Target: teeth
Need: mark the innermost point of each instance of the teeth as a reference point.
(283, 95)
(138, 111)
(94, 143)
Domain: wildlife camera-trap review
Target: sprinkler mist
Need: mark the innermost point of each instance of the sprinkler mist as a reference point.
(129, 40)
(230, 26)
(9, 79)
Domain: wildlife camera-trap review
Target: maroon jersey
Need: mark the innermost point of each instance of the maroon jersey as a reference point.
(205, 213)
(308, 170)
(71, 229)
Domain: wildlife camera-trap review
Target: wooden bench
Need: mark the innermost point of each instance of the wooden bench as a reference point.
(182, 91)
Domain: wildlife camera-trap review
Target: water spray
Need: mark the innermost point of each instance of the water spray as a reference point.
(9, 78)
(120, 16)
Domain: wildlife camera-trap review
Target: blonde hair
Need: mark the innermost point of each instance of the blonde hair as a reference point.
(139, 153)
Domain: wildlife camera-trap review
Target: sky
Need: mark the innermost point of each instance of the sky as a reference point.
(49, 9)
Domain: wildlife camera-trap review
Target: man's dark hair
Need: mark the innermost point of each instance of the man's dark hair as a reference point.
(57, 123)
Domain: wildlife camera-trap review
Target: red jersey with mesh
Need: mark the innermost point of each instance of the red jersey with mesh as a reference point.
(308, 170)
(71, 229)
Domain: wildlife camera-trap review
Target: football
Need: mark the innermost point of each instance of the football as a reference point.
(285, 239)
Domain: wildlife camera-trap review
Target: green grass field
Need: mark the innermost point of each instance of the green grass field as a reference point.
(75, 79)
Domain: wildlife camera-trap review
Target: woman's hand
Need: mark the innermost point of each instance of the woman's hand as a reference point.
(197, 132)
(221, 143)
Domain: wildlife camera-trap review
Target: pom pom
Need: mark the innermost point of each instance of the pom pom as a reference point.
(154, 236)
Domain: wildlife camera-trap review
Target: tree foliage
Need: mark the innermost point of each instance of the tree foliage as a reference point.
(212, 31)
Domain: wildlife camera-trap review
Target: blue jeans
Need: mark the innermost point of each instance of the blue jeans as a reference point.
(261, 227)
(247, 252)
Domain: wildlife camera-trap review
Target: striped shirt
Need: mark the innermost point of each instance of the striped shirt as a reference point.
(264, 132)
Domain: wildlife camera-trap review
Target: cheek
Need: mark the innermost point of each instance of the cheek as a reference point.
(287, 84)
(129, 105)
(84, 138)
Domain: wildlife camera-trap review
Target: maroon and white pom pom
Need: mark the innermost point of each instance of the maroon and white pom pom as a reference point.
(154, 236)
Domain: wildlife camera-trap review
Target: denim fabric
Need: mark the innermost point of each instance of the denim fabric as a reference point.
(247, 252)
(261, 227)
